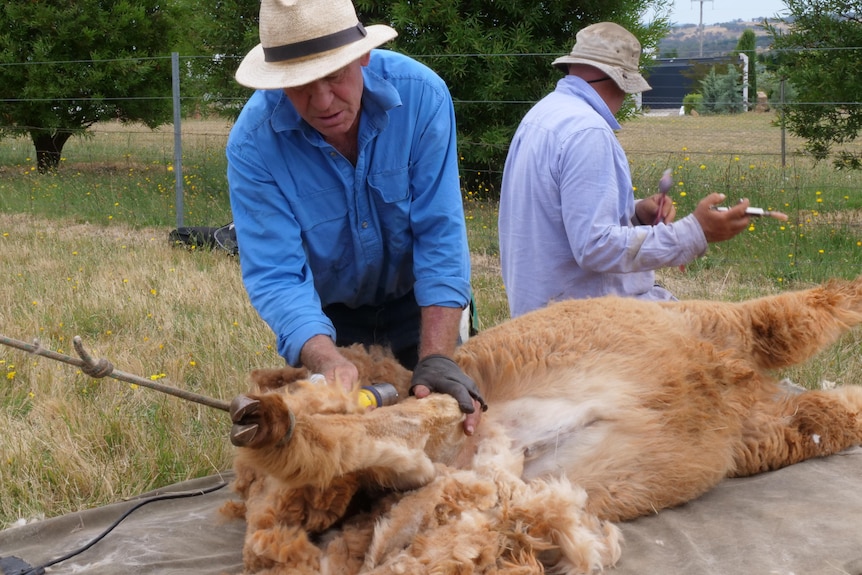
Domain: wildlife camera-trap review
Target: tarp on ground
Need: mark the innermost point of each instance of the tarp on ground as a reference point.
(802, 520)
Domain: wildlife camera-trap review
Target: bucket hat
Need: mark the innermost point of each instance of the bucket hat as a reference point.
(305, 40)
(613, 50)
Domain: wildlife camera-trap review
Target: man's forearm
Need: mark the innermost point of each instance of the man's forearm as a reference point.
(319, 352)
(440, 328)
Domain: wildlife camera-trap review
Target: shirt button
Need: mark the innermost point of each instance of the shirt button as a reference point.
(364, 225)
(332, 154)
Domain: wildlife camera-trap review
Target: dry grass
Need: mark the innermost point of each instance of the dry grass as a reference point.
(751, 134)
(182, 317)
(177, 316)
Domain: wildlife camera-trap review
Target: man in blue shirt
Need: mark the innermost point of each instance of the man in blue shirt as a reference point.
(569, 224)
(344, 190)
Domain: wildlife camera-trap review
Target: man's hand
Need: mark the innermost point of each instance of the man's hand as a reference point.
(320, 355)
(646, 210)
(438, 373)
(720, 226)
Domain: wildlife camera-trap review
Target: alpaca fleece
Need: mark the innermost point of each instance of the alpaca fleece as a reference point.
(600, 411)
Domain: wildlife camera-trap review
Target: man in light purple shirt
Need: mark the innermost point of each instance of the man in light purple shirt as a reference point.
(569, 224)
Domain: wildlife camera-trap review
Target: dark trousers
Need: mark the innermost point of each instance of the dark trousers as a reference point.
(394, 324)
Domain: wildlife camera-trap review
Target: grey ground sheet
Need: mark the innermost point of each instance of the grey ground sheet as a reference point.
(802, 520)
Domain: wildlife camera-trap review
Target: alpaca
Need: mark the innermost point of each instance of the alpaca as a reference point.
(601, 411)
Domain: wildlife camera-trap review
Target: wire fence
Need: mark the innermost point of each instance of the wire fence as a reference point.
(746, 154)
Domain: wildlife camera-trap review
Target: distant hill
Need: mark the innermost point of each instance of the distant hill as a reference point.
(718, 39)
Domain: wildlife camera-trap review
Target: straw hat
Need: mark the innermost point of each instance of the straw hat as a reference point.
(613, 50)
(305, 40)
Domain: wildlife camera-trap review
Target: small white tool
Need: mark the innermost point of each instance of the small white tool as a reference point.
(756, 212)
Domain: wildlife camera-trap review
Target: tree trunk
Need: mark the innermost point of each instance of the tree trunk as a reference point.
(49, 148)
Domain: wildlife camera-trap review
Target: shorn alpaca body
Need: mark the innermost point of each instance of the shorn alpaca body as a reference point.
(600, 411)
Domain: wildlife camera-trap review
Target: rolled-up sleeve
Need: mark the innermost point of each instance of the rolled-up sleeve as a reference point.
(441, 255)
(275, 270)
(603, 241)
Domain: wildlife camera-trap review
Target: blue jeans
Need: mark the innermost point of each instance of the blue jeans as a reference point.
(394, 324)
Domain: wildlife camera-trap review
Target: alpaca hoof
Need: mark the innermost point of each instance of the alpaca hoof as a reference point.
(241, 406)
(243, 431)
(260, 422)
(242, 435)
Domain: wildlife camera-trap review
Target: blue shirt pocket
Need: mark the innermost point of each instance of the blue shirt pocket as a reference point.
(390, 193)
(313, 207)
(392, 185)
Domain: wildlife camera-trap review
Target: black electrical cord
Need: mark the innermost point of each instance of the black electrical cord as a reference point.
(24, 569)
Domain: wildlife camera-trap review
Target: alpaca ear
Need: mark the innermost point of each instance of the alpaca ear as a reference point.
(272, 379)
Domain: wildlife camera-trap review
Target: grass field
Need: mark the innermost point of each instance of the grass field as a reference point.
(86, 253)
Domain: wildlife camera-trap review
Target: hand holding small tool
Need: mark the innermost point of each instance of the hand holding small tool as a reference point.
(665, 183)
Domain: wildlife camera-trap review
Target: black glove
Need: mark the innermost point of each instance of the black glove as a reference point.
(442, 375)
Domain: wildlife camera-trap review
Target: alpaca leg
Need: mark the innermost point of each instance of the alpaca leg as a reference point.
(395, 445)
(799, 427)
(781, 330)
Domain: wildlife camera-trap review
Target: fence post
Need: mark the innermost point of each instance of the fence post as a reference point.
(178, 140)
(783, 127)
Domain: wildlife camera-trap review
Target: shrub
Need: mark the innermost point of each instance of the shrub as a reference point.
(691, 102)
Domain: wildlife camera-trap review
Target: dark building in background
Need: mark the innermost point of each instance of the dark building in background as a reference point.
(670, 79)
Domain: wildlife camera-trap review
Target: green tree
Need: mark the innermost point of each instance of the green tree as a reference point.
(822, 59)
(495, 55)
(67, 65)
(746, 45)
(722, 93)
(224, 30)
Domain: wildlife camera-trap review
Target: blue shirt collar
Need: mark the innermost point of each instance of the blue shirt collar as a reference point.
(576, 86)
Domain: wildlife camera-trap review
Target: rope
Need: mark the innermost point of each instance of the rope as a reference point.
(104, 368)
(96, 370)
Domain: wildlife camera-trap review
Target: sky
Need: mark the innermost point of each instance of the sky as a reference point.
(717, 11)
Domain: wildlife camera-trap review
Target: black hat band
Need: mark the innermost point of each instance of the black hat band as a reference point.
(315, 45)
